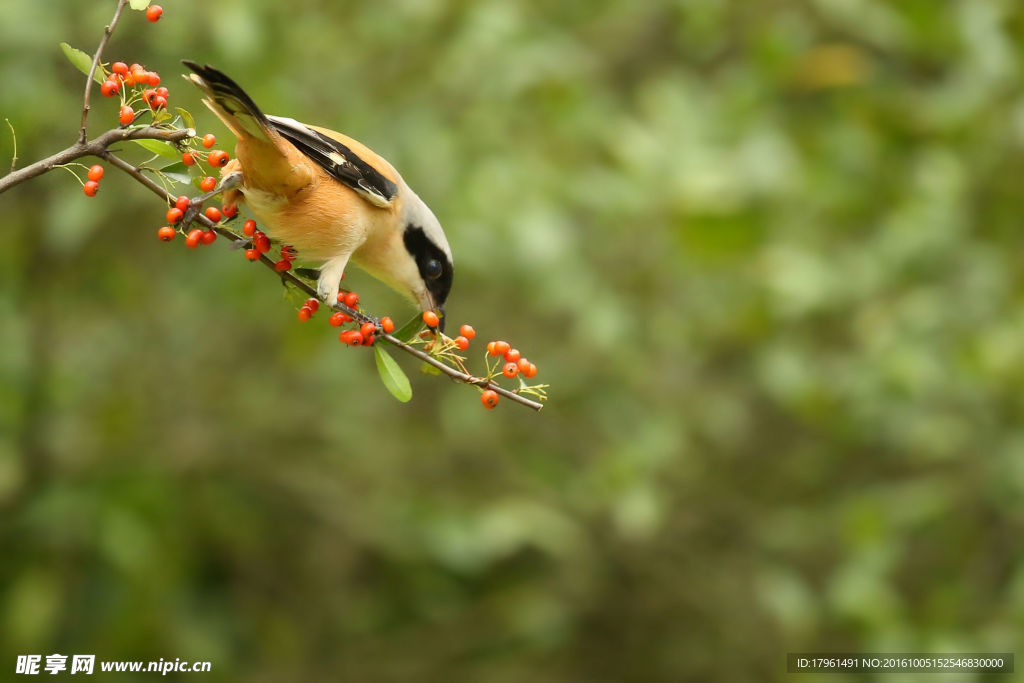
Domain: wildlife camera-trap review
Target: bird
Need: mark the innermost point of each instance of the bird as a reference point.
(331, 197)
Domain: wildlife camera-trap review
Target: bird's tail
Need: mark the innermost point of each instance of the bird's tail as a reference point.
(229, 102)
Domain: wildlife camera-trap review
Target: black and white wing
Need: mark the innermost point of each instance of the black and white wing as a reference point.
(335, 157)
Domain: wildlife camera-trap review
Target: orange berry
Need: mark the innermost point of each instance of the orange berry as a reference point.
(497, 348)
(174, 215)
(136, 67)
(338, 319)
(181, 203)
(431, 319)
(128, 79)
(261, 242)
(193, 237)
(229, 210)
(119, 68)
(90, 188)
(305, 313)
(283, 265)
(249, 228)
(218, 158)
(166, 233)
(208, 183)
(213, 213)
(387, 324)
(252, 254)
(95, 172)
(313, 303)
(126, 116)
(153, 12)
(367, 329)
(109, 88)
(461, 343)
(523, 364)
(351, 337)
(351, 300)
(467, 331)
(512, 355)
(489, 398)
(530, 371)
(162, 92)
(188, 159)
(510, 370)
(209, 237)
(209, 140)
(153, 78)
(159, 102)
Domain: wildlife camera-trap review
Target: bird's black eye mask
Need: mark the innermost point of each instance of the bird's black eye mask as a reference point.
(433, 264)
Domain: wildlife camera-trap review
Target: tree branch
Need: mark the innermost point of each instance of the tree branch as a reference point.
(95, 147)
(107, 31)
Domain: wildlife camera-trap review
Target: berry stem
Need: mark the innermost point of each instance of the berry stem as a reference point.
(107, 31)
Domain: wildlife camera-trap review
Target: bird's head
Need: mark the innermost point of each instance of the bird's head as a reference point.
(417, 261)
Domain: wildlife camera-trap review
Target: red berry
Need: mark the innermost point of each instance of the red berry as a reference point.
(528, 371)
(209, 140)
(261, 242)
(461, 343)
(162, 92)
(126, 116)
(208, 183)
(193, 237)
(497, 348)
(229, 210)
(153, 78)
(159, 102)
(431, 319)
(149, 95)
(252, 254)
(282, 265)
(351, 300)
(338, 319)
(136, 67)
(387, 324)
(181, 203)
(174, 215)
(209, 236)
(153, 12)
(313, 304)
(351, 337)
(467, 331)
(95, 172)
(512, 355)
(489, 398)
(510, 370)
(249, 228)
(166, 233)
(305, 313)
(128, 80)
(109, 88)
(213, 213)
(90, 188)
(119, 68)
(218, 157)
(523, 364)
(188, 159)
(367, 329)
(288, 252)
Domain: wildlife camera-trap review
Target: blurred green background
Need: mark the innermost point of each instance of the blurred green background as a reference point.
(766, 254)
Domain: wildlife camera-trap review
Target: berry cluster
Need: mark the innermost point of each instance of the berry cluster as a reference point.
(91, 186)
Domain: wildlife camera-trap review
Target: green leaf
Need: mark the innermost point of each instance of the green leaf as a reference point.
(164, 149)
(81, 61)
(186, 118)
(394, 379)
(409, 329)
(139, 4)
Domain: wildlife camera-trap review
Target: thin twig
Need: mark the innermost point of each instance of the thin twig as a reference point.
(456, 375)
(95, 147)
(14, 142)
(95, 61)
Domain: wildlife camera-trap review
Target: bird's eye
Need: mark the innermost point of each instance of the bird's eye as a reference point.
(432, 269)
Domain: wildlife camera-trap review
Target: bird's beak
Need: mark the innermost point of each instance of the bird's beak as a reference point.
(444, 319)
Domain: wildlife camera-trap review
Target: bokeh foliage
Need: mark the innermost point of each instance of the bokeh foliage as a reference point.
(765, 253)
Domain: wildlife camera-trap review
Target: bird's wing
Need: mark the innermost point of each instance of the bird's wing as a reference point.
(338, 159)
